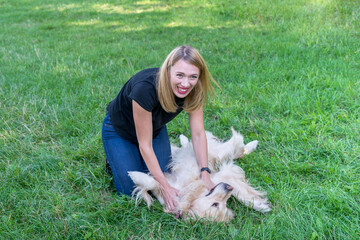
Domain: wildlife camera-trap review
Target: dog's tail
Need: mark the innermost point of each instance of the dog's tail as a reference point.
(144, 183)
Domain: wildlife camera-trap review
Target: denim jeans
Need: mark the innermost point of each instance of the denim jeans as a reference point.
(124, 155)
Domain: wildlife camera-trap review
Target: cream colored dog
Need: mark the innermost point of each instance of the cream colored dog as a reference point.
(195, 200)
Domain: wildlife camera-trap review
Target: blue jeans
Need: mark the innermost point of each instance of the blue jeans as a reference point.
(124, 155)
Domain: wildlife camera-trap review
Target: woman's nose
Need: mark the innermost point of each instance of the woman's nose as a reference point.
(185, 82)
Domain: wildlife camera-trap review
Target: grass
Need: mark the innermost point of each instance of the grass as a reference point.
(289, 75)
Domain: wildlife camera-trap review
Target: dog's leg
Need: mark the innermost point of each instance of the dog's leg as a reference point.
(232, 149)
(235, 176)
(251, 197)
(145, 183)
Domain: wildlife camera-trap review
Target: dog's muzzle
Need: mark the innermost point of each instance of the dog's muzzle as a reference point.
(178, 215)
(226, 187)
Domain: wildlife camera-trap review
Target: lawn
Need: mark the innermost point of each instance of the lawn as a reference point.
(289, 73)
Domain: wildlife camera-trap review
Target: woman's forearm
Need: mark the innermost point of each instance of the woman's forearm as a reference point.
(152, 163)
(168, 192)
(143, 127)
(200, 149)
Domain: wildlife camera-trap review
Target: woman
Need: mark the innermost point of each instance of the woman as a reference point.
(134, 132)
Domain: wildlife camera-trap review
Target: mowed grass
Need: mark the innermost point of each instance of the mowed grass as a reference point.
(289, 73)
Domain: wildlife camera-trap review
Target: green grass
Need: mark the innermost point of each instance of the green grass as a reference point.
(289, 75)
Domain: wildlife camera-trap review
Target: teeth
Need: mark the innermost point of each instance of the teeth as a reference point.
(182, 90)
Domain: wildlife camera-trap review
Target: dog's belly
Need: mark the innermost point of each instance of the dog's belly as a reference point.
(182, 179)
(184, 168)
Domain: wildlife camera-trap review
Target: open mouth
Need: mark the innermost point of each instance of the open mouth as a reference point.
(182, 90)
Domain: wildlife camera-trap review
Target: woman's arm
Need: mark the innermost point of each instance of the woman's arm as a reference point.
(144, 133)
(196, 121)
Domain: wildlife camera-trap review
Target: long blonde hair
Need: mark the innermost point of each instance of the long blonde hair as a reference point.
(198, 94)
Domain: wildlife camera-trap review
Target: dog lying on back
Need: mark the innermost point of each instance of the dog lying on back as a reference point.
(195, 200)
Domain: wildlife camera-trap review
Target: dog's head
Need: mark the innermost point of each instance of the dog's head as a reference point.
(212, 205)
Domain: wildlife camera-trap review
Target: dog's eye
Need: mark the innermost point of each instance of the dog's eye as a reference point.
(215, 204)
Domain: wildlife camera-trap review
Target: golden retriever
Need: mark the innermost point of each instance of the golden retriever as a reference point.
(195, 200)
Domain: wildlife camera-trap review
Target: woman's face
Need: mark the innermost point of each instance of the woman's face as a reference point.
(183, 78)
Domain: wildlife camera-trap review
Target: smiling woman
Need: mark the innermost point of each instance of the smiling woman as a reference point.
(134, 131)
(183, 78)
(183, 62)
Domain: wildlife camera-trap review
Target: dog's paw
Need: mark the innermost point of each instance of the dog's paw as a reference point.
(262, 206)
(250, 147)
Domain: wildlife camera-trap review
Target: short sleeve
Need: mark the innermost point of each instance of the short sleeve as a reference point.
(145, 95)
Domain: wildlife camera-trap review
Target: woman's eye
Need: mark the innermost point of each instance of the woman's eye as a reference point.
(194, 77)
(215, 204)
(179, 75)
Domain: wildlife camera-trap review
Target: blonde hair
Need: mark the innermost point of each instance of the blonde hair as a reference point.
(201, 90)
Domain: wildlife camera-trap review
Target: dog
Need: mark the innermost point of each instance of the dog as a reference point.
(195, 200)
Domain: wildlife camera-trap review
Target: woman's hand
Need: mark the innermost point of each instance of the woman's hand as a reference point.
(205, 176)
(170, 195)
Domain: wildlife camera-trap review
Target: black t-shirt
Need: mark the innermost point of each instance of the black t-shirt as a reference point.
(142, 89)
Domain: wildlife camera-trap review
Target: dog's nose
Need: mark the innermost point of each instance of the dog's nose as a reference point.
(228, 187)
